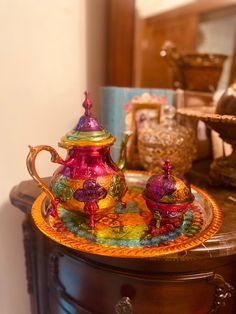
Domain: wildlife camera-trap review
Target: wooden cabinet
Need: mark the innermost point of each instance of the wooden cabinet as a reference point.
(62, 281)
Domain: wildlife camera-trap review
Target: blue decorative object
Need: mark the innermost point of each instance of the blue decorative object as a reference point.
(116, 106)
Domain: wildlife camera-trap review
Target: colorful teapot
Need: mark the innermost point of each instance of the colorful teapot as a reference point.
(88, 180)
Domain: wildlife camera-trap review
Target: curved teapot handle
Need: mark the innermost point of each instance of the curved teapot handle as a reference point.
(30, 162)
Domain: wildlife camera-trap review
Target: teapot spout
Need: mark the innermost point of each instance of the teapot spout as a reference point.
(121, 163)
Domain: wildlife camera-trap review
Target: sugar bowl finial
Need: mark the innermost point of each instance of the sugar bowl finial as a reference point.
(87, 104)
(167, 168)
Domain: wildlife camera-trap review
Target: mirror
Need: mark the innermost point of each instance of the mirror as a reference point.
(193, 26)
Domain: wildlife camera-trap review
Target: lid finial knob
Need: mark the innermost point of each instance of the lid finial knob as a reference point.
(87, 104)
(167, 167)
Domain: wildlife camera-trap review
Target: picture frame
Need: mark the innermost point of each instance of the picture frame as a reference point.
(144, 115)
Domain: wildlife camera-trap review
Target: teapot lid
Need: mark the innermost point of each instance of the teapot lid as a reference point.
(88, 131)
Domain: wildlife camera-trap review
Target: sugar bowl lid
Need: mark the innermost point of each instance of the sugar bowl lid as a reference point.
(166, 188)
(88, 131)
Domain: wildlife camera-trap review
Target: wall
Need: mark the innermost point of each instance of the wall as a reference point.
(148, 8)
(50, 52)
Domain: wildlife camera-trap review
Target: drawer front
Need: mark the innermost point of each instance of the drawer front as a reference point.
(79, 286)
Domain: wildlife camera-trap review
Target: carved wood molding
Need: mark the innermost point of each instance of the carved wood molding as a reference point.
(29, 248)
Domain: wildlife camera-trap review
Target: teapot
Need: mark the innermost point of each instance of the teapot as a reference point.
(88, 180)
(193, 71)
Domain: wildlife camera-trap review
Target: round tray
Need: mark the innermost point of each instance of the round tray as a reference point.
(124, 234)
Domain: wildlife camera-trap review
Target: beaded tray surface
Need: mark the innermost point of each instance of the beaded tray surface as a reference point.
(124, 231)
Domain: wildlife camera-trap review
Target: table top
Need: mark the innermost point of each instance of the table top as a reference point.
(221, 244)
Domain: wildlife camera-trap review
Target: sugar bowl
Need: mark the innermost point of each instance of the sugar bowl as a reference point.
(168, 196)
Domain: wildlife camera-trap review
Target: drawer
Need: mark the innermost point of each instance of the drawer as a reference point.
(80, 286)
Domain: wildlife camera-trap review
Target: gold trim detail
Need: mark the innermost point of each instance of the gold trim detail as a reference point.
(65, 143)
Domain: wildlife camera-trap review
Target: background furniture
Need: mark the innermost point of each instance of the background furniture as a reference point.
(201, 280)
(134, 43)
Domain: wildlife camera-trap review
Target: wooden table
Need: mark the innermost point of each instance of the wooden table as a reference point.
(200, 280)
